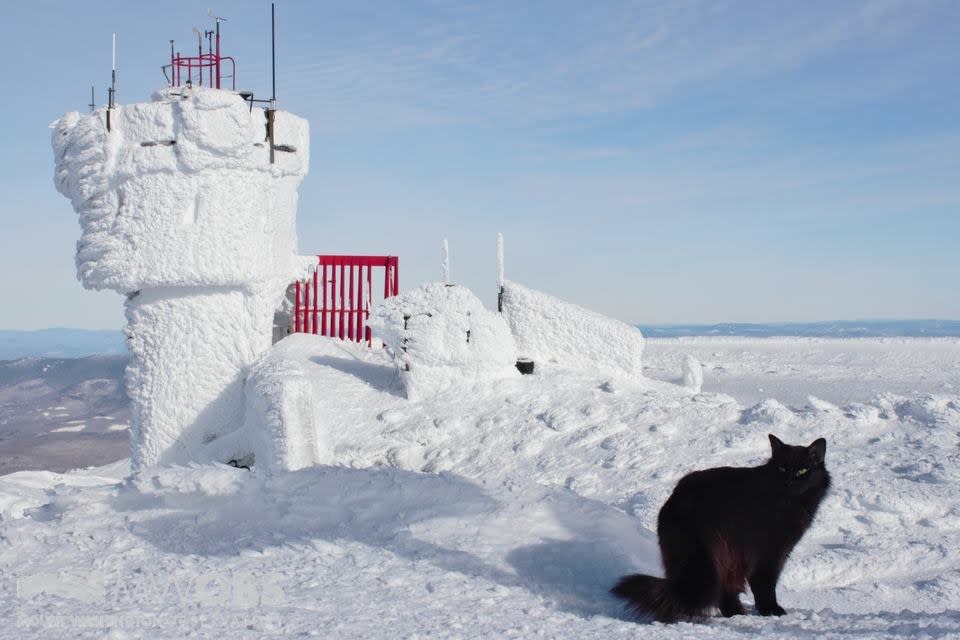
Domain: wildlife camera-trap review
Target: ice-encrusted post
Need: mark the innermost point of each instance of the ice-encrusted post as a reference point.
(182, 212)
(500, 272)
(446, 262)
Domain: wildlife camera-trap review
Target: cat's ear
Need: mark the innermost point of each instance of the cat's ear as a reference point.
(818, 450)
(775, 444)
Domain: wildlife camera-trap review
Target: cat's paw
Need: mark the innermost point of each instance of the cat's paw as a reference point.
(775, 610)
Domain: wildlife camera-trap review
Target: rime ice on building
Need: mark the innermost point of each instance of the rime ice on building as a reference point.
(183, 211)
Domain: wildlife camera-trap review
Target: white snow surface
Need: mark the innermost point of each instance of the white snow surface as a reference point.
(494, 508)
(182, 211)
(551, 331)
(442, 335)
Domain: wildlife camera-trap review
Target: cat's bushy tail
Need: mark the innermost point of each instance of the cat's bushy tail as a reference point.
(650, 596)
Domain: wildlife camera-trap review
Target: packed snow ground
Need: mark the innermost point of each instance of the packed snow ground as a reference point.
(507, 508)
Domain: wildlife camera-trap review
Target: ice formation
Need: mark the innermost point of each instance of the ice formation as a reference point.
(692, 373)
(442, 334)
(182, 211)
(549, 330)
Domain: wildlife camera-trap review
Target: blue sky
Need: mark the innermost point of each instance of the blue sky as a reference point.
(674, 161)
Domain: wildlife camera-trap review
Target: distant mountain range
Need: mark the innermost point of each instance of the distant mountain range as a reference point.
(60, 343)
(832, 329)
(77, 343)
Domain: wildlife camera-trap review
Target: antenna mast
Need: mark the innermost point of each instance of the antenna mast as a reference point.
(273, 54)
(272, 111)
(199, 55)
(218, 20)
(113, 82)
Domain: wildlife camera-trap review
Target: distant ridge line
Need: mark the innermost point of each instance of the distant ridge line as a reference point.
(76, 343)
(825, 329)
(60, 343)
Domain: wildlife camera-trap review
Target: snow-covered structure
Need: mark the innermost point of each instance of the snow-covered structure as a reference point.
(442, 335)
(550, 330)
(183, 212)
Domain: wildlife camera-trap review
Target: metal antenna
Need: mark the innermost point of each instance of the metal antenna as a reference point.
(209, 34)
(173, 72)
(272, 111)
(113, 82)
(219, 19)
(273, 54)
(199, 55)
(500, 272)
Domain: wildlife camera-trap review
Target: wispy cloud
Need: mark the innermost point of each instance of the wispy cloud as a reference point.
(528, 62)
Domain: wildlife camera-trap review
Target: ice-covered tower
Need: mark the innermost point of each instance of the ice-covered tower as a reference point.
(182, 211)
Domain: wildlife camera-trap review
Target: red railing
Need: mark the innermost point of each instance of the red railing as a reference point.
(211, 62)
(191, 69)
(337, 299)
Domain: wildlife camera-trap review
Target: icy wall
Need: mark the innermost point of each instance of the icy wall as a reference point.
(549, 330)
(182, 212)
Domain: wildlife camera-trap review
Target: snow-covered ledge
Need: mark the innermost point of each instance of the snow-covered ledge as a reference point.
(182, 212)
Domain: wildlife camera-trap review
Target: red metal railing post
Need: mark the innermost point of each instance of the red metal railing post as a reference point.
(316, 306)
(333, 301)
(323, 312)
(306, 307)
(352, 307)
(358, 313)
(340, 323)
(296, 309)
(368, 334)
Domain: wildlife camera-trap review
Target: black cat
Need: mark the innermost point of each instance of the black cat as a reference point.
(722, 528)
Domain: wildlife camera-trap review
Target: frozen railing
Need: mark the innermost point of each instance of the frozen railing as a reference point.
(336, 299)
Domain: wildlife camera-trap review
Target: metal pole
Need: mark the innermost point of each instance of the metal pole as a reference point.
(271, 112)
(199, 56)
(218, 53)
(273, 53)
(113, 83)
(209, 34)
(500, 272)
(446, 262)
(93, 101)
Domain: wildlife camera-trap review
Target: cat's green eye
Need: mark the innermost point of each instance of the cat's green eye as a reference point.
(800, 472)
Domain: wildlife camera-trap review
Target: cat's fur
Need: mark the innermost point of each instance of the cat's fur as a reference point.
(723, 528)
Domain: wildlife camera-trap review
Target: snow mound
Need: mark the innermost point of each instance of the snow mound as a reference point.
(549, 330)
(768, 412)
(441, 335)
